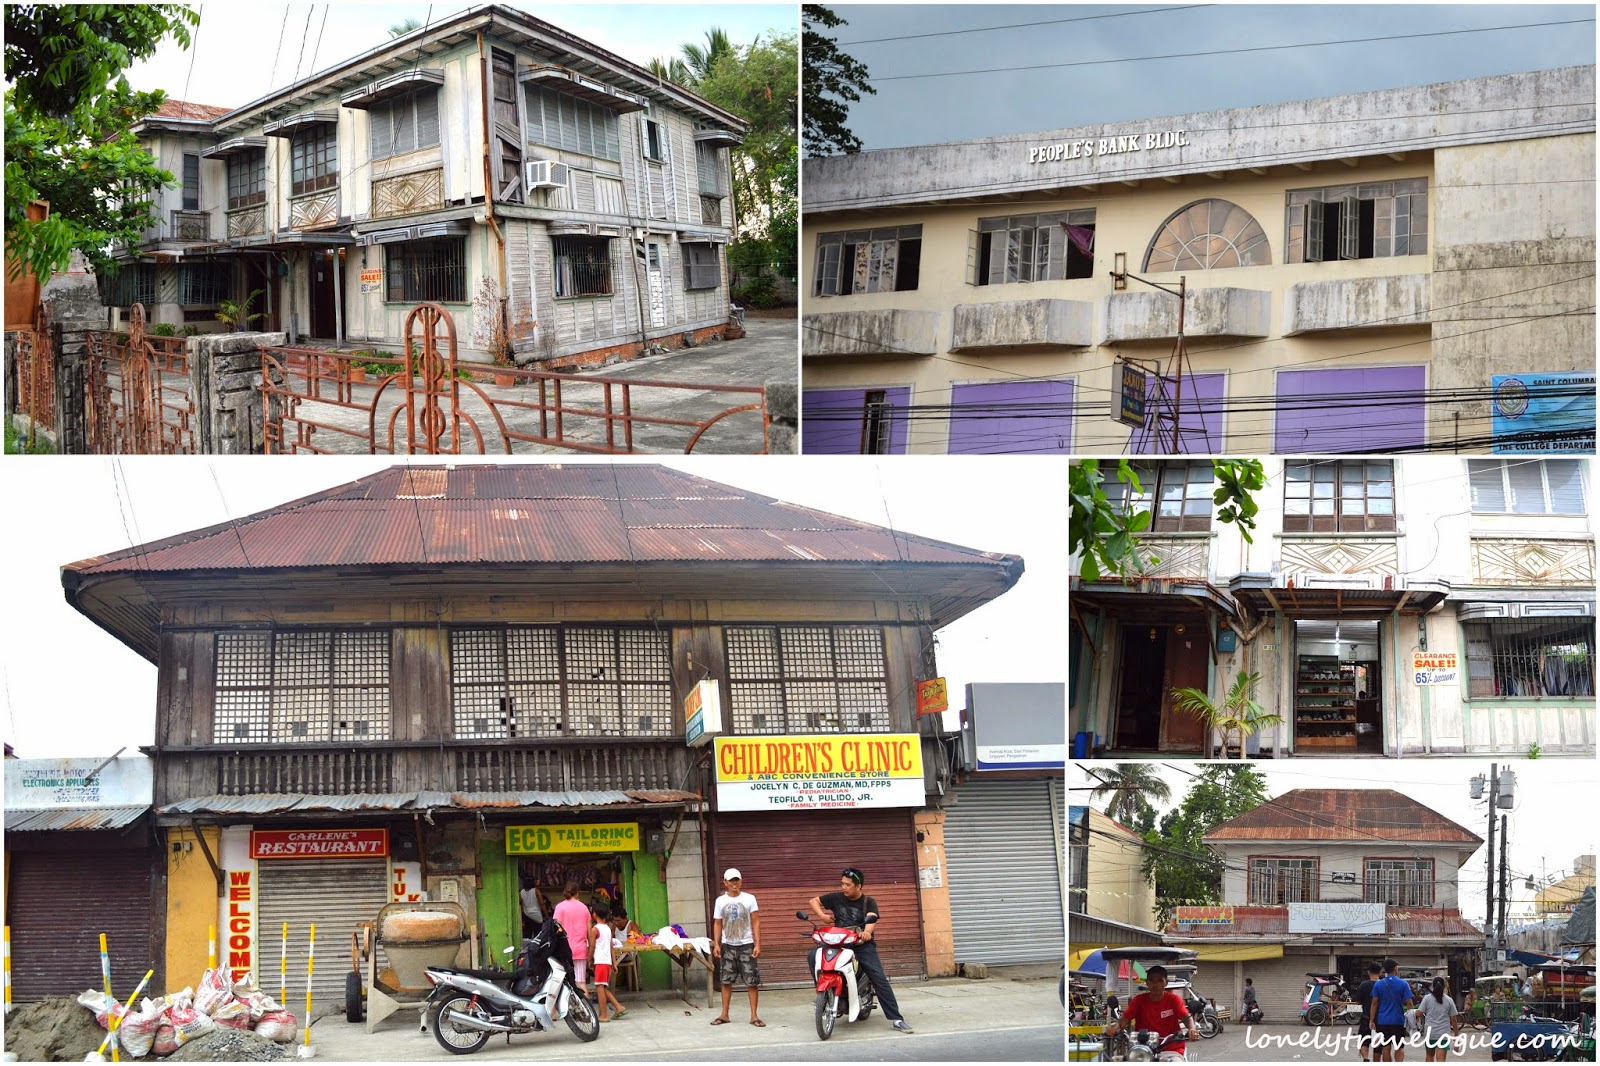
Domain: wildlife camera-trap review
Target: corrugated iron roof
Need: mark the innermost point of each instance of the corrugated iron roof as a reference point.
(279, 803)
(171, 108)
(1363, 814)
(21, 820)
(533, 513)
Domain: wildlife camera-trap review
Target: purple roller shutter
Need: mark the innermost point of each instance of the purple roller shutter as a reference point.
(1372, 409)
(1200, 424)
(832, 420)
(1011, 418)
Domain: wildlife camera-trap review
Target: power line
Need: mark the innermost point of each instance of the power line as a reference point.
(1019, 25)
(1231, 51)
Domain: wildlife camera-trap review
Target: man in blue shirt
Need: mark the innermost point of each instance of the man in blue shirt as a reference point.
(1390, 998)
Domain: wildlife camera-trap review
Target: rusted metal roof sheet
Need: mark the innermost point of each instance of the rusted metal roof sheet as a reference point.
(614, 513)
(277, 803)
(1358, 814)
(1270, 921)
(71, 818)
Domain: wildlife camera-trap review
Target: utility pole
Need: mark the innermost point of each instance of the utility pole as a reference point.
(1497, 887)
(1488, 876)
(1180, 360)
(1505, 887)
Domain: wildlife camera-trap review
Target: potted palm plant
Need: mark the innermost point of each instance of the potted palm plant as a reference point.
(1237, 713)
(236, 314)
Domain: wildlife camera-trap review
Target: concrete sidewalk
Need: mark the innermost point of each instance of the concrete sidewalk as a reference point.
(662, 1023)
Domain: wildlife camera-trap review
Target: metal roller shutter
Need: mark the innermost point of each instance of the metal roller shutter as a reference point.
(336, 894)
(787, 858)
(60, 903)
(1280, 984)
(1001, 845)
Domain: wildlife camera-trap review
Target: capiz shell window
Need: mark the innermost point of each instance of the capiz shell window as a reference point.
(551, 681)
(807, 679)
(301, 686)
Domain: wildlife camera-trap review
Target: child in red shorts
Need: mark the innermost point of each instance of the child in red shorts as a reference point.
(600, 955)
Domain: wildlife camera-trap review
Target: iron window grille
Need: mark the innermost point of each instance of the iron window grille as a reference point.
(204, 284)
(407, 123)
(1023, 248)
(1399, 882)
(702, 266)
(582, 266)
(1178, 495)
(1274, 882)
(1338, 496)
(301, 686)
(433, 270)
(1526, 486)
(1208, 235)
(557, 120)
(314, 160)
(1370, 221)
(1543, 658)
(247, 179)
(553, 681)
(876, 422)
(135, 283)
(888, 259)
(807, 679)
(191, 182)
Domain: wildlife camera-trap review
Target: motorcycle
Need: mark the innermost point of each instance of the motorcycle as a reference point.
(1328, 1000)
(465, 1007)
(1251, 1015)
(842, 986)
(1145, 1045)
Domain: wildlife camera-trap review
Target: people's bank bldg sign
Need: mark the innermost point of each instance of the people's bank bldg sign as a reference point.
(1120, 145)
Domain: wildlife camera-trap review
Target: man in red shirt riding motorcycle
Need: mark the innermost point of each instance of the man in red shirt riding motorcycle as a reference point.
(1159, 1011)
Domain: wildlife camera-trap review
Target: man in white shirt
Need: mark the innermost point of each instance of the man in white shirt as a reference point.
(736, 942)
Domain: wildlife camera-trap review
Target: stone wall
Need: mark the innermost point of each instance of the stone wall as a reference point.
(783, 412)
(225, 379)
(72, 307)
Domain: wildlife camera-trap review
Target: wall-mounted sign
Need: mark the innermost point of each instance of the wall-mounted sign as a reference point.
(1338, 918)
(405, 882)
(42, 783)
(1435, 668)
(1346, 877)
(1203, 915)
(702, 714)
(1557, 410)
(318, 843)
(565, 839)
(1119, 145)
(1135, 387)
(371, 281)
(932, 697)
(815, 772)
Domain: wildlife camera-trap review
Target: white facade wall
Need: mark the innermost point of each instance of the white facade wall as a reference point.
(1338, 858)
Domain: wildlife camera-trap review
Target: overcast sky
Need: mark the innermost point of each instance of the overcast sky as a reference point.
(71, 689)
(244, 51)
(1550, 826)
(932, 110)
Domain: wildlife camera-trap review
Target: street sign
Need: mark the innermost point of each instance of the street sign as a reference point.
(1134, 387)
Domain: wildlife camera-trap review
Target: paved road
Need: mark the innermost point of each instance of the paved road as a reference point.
(1015, 1018)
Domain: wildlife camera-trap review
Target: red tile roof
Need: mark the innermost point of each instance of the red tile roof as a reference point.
(1362, 814)
(536, 513)
(171, 108)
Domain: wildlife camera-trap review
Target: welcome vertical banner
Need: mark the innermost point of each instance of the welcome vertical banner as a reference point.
(236, 915)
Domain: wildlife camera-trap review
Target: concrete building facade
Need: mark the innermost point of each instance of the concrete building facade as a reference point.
(564, 204)
(1361, 274)
(1105, 871)
(1406, 606)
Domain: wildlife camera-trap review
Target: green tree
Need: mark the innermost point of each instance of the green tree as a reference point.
(832, 81)
(68, 117)
(400, 29)
(699, 61)
(1129, 787)
(671, 69)
(1177, 862)
(759, 82)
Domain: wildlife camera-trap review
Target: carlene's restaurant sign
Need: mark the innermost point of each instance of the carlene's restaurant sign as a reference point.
(813, 772)
(1120, 145)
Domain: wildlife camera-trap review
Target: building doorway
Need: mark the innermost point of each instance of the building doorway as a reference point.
(324, 292)
(1338, 687)
(258, 278)
(1156, 659)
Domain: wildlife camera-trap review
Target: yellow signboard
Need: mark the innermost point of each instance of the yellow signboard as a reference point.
(566, 839)
(819, 771)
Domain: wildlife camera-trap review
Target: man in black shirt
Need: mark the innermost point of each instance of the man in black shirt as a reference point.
(853, 908)
(1364, 997)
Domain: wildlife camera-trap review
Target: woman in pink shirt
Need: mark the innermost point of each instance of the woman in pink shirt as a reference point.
(574, 918)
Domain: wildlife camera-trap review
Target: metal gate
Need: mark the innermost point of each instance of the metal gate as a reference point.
(59, 904)
(789, 856)
(336, 894)
(1002, 851)
(139, 393)
(36, 379)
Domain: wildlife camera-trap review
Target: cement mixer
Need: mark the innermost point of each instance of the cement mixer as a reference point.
(411, 937)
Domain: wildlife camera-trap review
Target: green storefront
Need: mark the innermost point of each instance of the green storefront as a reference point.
(607, 860)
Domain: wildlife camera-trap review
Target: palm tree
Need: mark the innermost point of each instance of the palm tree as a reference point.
(400, 29)
(701, 60)
(673, 70)
(1238, 712)
(1131, 786)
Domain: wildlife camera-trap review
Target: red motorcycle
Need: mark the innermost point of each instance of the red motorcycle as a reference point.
(842, 988)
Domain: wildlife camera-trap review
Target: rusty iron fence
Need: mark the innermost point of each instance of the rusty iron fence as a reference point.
(322, 402)
(36, 379)
(138, 392)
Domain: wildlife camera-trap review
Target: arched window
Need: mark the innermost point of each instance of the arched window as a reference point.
(1205, 235)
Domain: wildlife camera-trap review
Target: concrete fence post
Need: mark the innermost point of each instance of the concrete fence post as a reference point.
(783, 409)
(225, 379)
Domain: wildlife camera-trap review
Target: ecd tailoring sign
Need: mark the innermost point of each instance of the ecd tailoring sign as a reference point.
(818, 772)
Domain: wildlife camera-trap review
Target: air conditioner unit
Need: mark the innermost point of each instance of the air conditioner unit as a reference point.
(546, 174)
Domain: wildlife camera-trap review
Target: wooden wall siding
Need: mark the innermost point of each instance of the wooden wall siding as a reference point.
(620, 764)
(408, 193)
(308, 773)
(419, 683)
(524, 303)
(314, 210)
(248, 222)
(583, 190)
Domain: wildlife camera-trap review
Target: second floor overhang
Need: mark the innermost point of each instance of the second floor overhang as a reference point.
(1319, 923)
(1336, 595)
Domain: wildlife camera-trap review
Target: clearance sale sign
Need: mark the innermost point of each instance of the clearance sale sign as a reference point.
(817, 772)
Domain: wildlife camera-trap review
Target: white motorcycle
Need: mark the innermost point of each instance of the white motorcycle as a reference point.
(466, 1007)
(842, 988)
